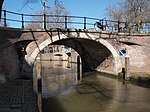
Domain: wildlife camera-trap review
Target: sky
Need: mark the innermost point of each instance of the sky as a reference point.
(85, 8)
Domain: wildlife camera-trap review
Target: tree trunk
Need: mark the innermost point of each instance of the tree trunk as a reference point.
(1, 4)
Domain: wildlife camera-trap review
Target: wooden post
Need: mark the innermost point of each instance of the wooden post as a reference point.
(123, 73)
(78, 68)
(127, 67)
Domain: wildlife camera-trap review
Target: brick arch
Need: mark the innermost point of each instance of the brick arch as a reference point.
(31, 55)
(117, 64)
(117, 61)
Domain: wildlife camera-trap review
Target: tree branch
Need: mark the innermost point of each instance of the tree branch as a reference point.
(1, 4)
(25, 4)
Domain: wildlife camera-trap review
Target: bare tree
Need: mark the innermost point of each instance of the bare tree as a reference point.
(134, 12)
(60, 12)
(34, 26)
(55, 17)
(26, 2)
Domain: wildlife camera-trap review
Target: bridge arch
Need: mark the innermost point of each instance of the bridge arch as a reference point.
(92, 51)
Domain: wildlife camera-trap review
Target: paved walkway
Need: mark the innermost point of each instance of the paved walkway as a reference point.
(18, 96)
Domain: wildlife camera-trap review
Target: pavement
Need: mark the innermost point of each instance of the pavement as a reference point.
(18, 96)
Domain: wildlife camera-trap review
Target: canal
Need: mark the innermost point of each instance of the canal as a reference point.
(62, 92)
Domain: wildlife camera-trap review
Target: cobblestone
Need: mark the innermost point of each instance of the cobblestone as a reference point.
(18, 96)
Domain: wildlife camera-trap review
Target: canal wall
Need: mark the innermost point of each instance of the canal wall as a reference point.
(10, 64)
(9, 60)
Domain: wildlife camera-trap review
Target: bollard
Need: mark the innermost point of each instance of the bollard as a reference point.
(127, 67)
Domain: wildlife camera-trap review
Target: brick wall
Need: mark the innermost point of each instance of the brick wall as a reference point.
(10, 62)
(139, 54)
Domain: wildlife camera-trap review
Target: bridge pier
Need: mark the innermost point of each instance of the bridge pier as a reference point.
(116, 65)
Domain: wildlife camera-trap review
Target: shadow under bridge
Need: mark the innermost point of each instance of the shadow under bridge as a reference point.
(92, 53)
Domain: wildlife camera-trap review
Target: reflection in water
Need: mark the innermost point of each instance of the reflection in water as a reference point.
(61, 92)
(58, 78)
(37, 83)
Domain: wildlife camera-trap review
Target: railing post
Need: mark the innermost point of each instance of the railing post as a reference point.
(65, 22)
(105, 24)
(5, 25)
(22, 21)
(125, 27)
(118, 26)
(102, 24)
(84, 22)
(45, 21)
(148, 28)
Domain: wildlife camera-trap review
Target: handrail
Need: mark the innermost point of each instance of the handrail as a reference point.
(86, 22)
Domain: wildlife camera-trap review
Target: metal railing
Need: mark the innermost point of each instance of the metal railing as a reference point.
(17, 20)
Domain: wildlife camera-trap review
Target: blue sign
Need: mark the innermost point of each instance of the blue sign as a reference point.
(122, 52)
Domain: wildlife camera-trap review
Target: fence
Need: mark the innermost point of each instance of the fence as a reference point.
(17, 20)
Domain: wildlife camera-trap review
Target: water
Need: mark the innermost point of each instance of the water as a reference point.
(61, 92)
(58, 76)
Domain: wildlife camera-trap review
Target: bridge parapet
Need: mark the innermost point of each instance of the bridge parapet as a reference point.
(22, 20)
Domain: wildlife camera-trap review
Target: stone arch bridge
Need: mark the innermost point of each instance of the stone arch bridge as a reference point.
(97, 49)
